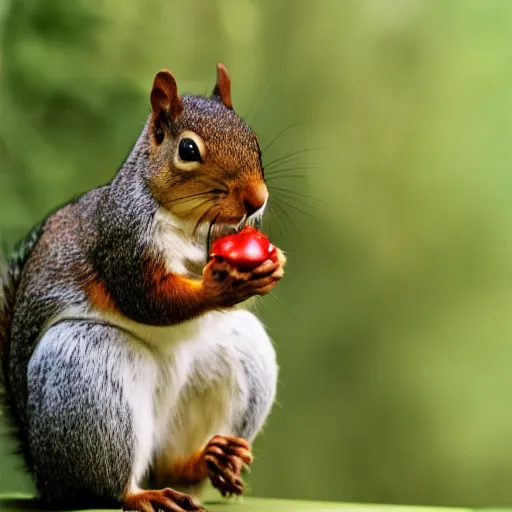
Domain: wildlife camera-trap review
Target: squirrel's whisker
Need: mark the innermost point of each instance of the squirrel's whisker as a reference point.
(202, 217)
(300, 194)
(191, 211)
(286, 176)
(298, 201)
(283, 202)
(281, 133)
(211, 227)
(220, 185)
(284, 307)
(275, 215)
(198, 194)
(283, 170)
(248, 114)
(287, 215)
(290, 155)
(289, 160)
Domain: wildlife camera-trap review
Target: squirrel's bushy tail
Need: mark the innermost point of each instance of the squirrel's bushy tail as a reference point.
(10, 276)
(10, 272)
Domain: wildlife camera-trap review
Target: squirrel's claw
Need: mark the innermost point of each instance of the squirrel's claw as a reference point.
(167, 500)
(225, 457)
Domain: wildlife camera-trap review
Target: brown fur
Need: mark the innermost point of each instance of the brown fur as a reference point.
(189, 472)
(164, 95)
(223, 86)
(99, 297)
(186, 295)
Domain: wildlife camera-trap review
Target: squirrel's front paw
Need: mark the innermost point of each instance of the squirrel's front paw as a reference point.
(224, 285)
(225, 457)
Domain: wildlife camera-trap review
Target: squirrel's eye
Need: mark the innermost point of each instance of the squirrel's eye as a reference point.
(188, 151)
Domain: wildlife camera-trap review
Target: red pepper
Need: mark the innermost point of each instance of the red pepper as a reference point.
(245, 250)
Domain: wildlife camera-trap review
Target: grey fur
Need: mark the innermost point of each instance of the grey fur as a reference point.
(80, 424)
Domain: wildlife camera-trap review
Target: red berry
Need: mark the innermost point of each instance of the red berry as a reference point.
(245, 250)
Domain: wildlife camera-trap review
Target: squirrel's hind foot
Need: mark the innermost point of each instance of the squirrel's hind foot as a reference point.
(166, 500)
(225, 457)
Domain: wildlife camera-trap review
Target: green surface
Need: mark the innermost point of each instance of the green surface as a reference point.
(20, 502)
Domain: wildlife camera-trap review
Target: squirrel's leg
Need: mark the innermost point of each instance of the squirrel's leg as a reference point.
(256, 380)
(257, 359)
(90, 419)
(237, 350)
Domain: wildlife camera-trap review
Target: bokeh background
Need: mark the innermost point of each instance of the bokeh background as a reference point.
(394, 324)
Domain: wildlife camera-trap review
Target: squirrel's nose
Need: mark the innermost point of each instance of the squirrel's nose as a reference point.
(254, 197)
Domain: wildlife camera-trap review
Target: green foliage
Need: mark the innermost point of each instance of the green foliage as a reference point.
(393, 325)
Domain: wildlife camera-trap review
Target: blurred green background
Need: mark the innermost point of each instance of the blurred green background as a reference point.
(394, 324)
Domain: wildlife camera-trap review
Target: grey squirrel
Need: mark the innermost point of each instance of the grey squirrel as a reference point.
(126, 358)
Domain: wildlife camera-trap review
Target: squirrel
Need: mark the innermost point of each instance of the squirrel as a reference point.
(133, 371)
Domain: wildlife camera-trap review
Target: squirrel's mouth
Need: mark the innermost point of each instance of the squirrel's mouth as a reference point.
(216, 230)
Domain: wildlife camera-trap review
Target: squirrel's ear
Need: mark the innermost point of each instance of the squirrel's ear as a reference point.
(165, 102)
(222, 89)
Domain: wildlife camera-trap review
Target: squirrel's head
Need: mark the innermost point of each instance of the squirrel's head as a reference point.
(205, 161)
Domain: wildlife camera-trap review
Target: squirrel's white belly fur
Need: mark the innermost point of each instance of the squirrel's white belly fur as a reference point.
(187, 383)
